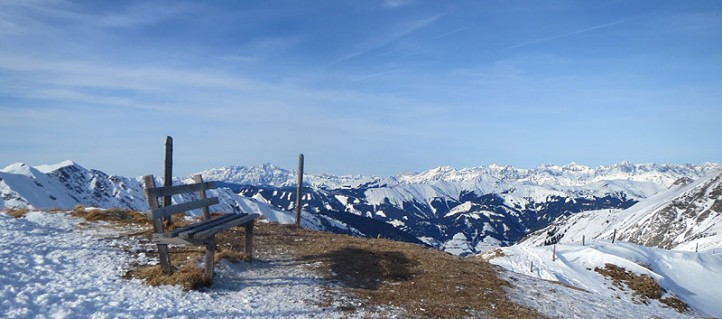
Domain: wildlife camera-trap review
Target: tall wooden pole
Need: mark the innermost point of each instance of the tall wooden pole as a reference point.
(298, 191)
(168, 172)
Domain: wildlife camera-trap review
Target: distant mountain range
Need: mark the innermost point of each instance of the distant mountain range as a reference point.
(687, 216)
(461, 211)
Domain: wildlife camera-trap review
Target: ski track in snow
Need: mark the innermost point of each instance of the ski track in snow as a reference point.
(51, 269)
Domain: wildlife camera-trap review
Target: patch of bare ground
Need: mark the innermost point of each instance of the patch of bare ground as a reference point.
(187, 275)
(118, 216)
(644, 287)
(17, 212)
(426, 283)
(378, 273)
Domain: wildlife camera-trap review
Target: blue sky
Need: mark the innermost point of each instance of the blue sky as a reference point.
(360, 87)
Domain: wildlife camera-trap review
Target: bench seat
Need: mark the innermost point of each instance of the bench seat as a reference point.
(202, 232)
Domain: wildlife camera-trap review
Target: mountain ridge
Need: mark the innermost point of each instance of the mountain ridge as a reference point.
(461, 211)
(271, 175)
(687, 216)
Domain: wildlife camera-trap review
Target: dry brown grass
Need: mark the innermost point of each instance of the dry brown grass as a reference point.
(187, 272)
(230, 255)
(676, 304)
(17, 212)
(643, 286)
(426, 283)
(188, 276)
(496, 253)
(118, 216)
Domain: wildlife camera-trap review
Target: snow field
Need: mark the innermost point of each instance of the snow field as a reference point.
(51, 269)
(687, 275)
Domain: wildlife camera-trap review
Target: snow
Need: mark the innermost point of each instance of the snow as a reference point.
(697, 224)
(558, 301)
(686, 275)
(457, 245)
(25, 186)
(53, 167)
(53, 268)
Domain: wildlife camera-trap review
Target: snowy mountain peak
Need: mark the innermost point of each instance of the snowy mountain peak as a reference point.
(264, 174)
(54, 167)
(17, 168)
(574, 167)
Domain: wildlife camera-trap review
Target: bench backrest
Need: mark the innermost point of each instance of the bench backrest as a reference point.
(157, 213)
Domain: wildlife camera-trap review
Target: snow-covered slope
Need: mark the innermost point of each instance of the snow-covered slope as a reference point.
(691, 277)
(687, 216)
(51, 268)
(23, 186)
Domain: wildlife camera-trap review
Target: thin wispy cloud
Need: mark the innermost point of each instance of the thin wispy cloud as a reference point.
(567, 34)
(445, 34)
(388, 37)
(134, 14)
(395, 3)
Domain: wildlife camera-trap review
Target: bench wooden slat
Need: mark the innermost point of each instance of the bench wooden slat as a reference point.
(212, 231)
(180, 189)
(177, 208)
(204, 224)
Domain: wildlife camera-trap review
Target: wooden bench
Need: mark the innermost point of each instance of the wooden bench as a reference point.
(201, 233)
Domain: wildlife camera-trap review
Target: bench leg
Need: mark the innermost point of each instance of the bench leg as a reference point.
(210, 251)
(249, 241)
(164, 258)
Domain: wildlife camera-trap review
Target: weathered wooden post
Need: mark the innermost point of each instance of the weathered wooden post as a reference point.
(554, 252)
(583, 240)
(531, 266)
(696, 248)
(168, 173)
(163, 255)
(614, 236)
(299, 190)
